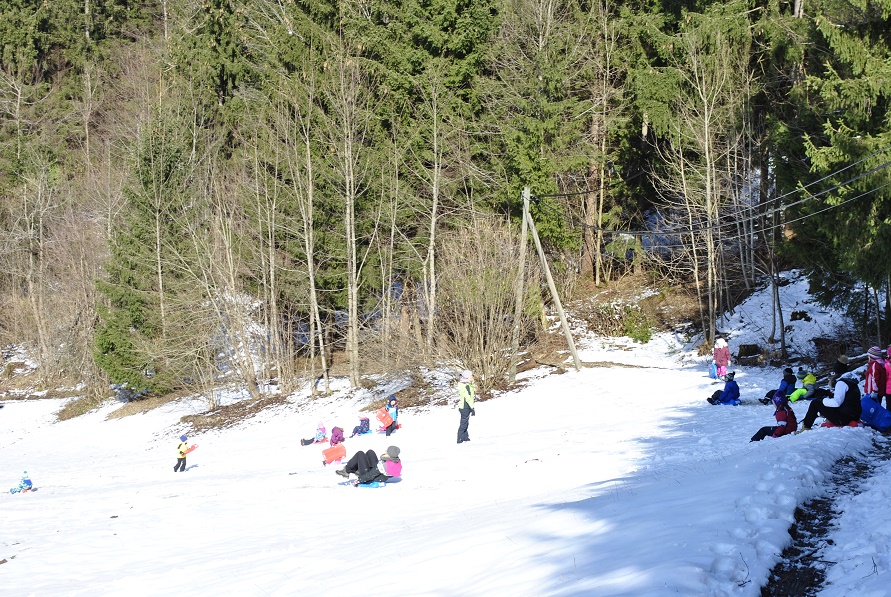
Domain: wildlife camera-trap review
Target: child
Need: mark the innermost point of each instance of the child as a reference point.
(321, 434)
(721, 354)
(874, 382)
(362, 428)
(787, 386)
(181, 450)
(370, 469)
(393, 411)
(730, 395)
(808, 388)
(336, 436)
(786, 421)
(466, 398)
(24, 485)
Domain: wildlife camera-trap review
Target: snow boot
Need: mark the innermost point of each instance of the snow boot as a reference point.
(343, 473)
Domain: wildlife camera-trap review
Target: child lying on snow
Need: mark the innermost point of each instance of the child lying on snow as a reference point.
(370, 469)
(730, 395)
(786, 421)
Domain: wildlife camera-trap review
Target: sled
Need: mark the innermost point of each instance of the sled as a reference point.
(191, 449)
(372, 485)
(384, 417)
(831, 424)
(334, 453)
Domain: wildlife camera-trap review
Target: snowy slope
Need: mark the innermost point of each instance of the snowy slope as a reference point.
(609, 481)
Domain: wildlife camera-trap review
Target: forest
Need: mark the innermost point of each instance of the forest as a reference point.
(232, 191)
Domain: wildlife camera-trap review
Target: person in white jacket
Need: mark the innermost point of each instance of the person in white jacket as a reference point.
(841, 408)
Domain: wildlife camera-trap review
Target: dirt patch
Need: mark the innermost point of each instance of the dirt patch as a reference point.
(801, 572)
(144, 405)
(223, 417)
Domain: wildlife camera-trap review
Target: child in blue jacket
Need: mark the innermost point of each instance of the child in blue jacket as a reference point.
(393, 411)
(730, 395)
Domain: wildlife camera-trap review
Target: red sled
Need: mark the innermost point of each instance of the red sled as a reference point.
(831, 424)
(334, 453)
(191, 448)
(384, 429)
(384, 417)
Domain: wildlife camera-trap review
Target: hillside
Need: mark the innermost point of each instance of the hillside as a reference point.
(615, 480)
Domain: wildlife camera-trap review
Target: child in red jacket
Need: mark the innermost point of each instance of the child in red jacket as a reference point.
(786, 421)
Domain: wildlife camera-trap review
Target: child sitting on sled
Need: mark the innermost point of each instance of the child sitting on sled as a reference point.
(785, 416)
(730, 395)
(321, 434)
(24, 485)
(362, 428)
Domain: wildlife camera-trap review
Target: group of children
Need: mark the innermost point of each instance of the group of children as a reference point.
(841, 405)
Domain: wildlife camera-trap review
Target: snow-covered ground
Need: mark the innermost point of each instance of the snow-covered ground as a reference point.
(610, 481)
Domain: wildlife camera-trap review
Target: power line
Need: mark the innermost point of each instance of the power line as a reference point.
(753, 219)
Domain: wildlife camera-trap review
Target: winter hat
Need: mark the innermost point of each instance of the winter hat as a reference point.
(875, 353)
(392, 454)
(779, 398)
(24, 474)
(843, 359)
(321, 425)
(788, 371)
(183, 438)
(392, 399)
(720, 343)
(466, 375)
(730, 376)
(801, 374)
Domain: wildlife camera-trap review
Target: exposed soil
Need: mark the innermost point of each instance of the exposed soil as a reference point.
(801, 572)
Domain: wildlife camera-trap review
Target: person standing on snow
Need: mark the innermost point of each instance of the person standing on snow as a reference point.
(466, 398)
(181, 450)
(393, 411)
(875, 382)
(721, 355)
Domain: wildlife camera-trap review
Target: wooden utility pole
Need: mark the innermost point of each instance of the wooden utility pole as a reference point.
(521, 279)
(547, 270)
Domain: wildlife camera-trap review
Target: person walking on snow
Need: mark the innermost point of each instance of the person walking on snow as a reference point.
(785, 416)
(181, 450)
(466, 398)
(721, 355)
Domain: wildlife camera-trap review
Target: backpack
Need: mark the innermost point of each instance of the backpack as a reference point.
(874, 414)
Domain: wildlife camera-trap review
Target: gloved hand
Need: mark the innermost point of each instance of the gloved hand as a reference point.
(472, 412)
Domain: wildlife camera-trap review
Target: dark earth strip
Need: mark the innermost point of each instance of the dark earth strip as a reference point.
(801, 572)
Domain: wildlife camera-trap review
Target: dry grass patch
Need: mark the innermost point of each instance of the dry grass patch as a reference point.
(224, 417)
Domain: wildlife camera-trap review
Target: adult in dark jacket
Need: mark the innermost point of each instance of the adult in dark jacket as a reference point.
(839, 409)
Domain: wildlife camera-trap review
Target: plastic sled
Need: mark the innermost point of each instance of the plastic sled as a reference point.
(334, 453)
(384, 417)
(372, 485)
(831, 424)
